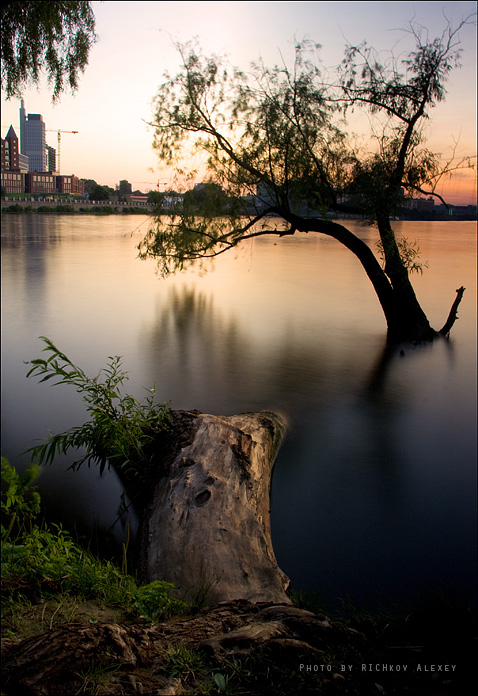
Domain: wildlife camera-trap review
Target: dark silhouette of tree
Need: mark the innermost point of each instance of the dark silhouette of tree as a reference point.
(208, 197)
(275, 142)
(98, 192)
(51, 36)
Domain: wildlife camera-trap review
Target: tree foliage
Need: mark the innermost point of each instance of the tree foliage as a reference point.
(51, 36)
(277, 142)
(98, 192)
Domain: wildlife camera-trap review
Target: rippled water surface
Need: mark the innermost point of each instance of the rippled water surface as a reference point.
(374, 489)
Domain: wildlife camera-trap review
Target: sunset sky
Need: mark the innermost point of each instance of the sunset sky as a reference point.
(135, 47)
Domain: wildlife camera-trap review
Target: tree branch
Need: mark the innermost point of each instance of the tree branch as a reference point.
(453, 316)
(418, 189)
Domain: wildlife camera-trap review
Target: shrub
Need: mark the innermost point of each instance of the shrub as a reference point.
(20, 504)
(103, 209)
(121, 430)
(15, 208)
(155, 601)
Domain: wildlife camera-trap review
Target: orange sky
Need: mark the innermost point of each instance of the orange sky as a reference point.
(135, 47)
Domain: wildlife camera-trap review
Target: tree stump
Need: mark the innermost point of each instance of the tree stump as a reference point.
(207, 528)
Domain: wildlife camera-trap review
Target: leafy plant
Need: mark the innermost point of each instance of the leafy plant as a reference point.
(20, 504)
(409, 255)
(120, 431)
(154, 601)
(221, 681)
(46, 560)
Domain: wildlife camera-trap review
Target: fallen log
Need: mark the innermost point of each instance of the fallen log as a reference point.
(207, 527)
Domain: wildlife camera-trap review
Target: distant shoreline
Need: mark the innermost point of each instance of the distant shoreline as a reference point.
(69, 207)
(85, 207)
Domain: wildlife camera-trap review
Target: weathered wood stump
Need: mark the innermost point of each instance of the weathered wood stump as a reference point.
(207, 528)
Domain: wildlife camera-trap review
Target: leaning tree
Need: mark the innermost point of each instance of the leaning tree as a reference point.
(275, 141)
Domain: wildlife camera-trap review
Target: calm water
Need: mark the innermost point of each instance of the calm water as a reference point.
(374, 489)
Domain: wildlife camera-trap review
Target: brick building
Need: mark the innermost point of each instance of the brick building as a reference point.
(10, 151)
(70, 184)
(13, 182)
(40, 182)
(14, 165)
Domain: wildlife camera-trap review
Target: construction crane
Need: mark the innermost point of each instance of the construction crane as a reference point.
(156, 183)
(59, 132)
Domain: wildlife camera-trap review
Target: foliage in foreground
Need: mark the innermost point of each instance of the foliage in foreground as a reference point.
(51, 36)
(121, 430)
(38, 561)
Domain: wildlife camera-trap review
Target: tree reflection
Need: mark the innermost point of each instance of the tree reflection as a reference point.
(214, 362)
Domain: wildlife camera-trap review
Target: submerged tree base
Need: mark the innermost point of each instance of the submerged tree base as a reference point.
(421, 331)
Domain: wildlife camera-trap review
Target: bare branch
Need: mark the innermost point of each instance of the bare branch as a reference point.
(453, 316)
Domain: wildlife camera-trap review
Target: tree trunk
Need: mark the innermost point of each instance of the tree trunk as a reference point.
(406, 320)
(411, 322)
(398, 327)
(207, 527)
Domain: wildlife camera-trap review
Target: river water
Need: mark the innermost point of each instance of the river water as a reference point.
(374, 489)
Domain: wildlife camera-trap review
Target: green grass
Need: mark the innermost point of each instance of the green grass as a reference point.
(44, 569)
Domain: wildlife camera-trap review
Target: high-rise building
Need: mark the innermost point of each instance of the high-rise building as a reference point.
(33, 140)
(51, 159)
(30, 166)
(23, 120)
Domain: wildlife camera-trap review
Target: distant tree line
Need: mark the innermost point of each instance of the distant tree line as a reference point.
(97, 192)
(100, 192)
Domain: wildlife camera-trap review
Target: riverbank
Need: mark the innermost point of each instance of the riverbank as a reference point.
(73, 624)
(68, 206)
(238, 647)
(74, 207)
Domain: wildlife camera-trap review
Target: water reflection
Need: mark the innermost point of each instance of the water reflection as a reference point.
(380, 508)
(355, 505)
(374, 488)
(213, 362)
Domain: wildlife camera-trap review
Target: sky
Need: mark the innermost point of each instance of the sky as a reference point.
(136, 45)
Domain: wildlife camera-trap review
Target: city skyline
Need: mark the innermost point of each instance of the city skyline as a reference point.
(135, 47)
